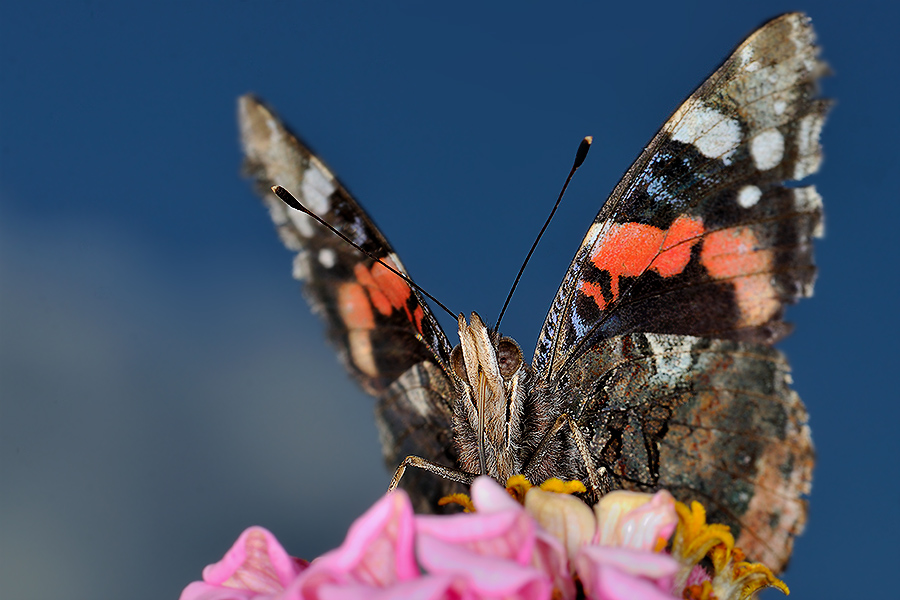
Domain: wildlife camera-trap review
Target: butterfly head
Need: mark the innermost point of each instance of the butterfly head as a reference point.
(490, 374)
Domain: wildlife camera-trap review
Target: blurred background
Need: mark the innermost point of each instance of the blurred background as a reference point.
(162, 383)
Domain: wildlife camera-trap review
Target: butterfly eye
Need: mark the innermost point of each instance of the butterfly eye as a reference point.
(457, 363)
(509, 357)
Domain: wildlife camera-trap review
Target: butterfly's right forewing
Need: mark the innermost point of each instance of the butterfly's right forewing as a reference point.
(702, 236)
(659, 338)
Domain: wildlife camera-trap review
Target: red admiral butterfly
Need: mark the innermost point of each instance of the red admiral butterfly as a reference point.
(656, 355)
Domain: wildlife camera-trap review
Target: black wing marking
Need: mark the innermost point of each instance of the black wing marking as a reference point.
(701, 236)
(380, 324)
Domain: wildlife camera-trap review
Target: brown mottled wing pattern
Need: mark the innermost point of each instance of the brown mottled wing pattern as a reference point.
(709, 420)
(660, 335)
(385, 334)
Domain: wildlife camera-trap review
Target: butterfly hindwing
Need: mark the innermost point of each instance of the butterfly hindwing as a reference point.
(709, 420)
(701, 236)
(414, 418)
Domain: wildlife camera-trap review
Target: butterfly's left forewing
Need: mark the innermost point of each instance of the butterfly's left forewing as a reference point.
(384, 332)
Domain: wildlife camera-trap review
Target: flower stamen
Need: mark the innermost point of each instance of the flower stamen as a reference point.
(460, 499)
(518, 486)
(700, 591)
(733, 578)
(563, 487)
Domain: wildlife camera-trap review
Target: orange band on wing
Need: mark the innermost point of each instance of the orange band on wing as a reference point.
(358, 317)
(733, 254)
(395, 289)
(354, 306)
(629, 249)
(388, 291)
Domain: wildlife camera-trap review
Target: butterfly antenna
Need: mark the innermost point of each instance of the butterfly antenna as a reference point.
(579, 159)
(289, 199)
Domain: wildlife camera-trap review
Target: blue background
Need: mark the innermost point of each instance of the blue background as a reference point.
(163, 384)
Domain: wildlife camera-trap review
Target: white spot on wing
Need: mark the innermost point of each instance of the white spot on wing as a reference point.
(808, 145)
(802, 37)
(301, 266)
(808, 134)
(767, 149)
(317, 187)
(361, 351)
(748, 196)
(807, 199)
(396, 260)
(593, 233)
(290, 238)
(305, 225)
(711, 132)
(314, 192)
(671, 354)
(274, 131)
(327, 257)
(779, 107)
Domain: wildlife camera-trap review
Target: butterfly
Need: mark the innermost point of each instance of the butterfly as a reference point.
(655, 365)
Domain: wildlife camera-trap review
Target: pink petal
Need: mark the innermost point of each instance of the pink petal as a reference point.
(697, 576)
(423, 588)
(644, 526)
(488, 496)
(378, 548)
(501, 528)
(377, 552)
(635, 520)
(486, 576)
(657, 569)
(200, 590)
(256, 564)
(507, 535)
(566, 517)
(608, 583)
(550, 557)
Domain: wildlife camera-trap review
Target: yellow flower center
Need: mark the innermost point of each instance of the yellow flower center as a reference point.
(695, 540)
(733, 577)
(518, 486)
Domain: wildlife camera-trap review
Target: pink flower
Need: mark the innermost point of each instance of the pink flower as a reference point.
(567, 518)
(633, 523)
(255, 567)
(635, 520)
(491, 552)
(543, 549)
(376, 554)
(623, 574)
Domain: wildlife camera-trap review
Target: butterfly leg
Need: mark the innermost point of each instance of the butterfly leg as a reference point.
(597, 488)
(432, 467)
